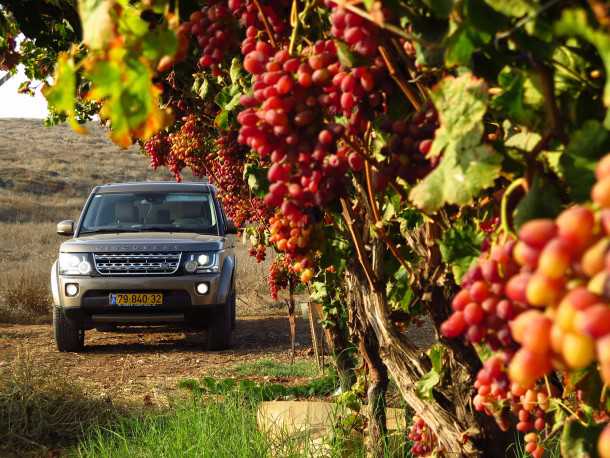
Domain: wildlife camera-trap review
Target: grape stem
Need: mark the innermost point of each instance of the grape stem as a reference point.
(379, 223)
(404, 87)
(520, 182)
(349, 221)
(265, 23)
(411, 69)
(570, 411)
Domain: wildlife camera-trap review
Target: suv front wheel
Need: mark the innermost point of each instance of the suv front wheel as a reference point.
(67, 336)
(221, 325)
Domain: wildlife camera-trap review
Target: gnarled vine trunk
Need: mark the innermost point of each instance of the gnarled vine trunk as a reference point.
(459, 430)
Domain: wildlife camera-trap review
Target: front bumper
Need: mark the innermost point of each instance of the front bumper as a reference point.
(181, 301)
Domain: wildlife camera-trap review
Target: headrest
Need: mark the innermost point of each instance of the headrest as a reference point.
(125, 212)
(189, 210)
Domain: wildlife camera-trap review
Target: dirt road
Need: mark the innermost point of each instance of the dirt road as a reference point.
(142, 366)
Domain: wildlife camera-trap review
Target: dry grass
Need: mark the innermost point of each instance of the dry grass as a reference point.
(45, 176)
(42, 411)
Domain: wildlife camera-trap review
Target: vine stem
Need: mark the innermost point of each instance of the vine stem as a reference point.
(379, 223)
(404, 87)
(349, 221)
(504, 204)
(265, 23)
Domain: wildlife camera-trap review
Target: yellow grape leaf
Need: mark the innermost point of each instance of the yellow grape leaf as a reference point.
(98, 23)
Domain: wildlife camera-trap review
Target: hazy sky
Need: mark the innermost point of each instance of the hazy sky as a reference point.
(15, 105)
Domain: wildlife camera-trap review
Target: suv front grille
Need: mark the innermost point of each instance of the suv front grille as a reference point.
(137, 263)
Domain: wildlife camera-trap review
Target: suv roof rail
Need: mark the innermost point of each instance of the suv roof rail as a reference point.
(201, 180)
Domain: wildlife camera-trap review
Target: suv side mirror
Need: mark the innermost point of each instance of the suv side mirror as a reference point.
(65, 227)
(230, 227)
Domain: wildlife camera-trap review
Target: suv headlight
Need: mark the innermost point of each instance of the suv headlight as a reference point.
(74, 264)
(202, 262)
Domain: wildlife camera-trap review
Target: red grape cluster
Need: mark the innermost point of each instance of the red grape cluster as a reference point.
(186, 145)
(423, 439)
(9, 56)
(408, 144)
(226, 170)
(484, 305)
(357, 32)
(279, 274)
(294, 241)
(215, 31)
(158, 149)
(283, 121)
(251, 19)
(530, 406)
(259, 252)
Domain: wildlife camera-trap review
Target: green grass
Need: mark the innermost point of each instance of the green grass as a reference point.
(270, 368)
(221, 428)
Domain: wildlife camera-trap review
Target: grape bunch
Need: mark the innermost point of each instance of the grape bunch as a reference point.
(279, 275)
(214, 30)
(9, 56)
(484, 305)
(226, 170)
(361, 35)
(409, 143)
(259, 252)
(284, 123)
(423, 439)
(294, 240)
(250, 18)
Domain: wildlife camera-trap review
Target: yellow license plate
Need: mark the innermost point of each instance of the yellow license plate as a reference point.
(128, 299)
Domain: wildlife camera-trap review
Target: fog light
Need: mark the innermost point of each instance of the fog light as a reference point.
(202, 288)
(71, 289)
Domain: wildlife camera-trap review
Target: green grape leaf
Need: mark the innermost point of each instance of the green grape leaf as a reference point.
(460, 247)
(158, 43)
(467, 166)
(98, 24)
(462, 41)
(519, 99)
(577, 165)
(61, 94)
(426, 384)
(347, 58)
(579, 441)
(574, 22)
(542, 201)
(461, 103)
(319, 292)
(235, 70)
(464, 171)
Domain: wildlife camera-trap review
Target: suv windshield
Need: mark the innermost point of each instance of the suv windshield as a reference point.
(151, 211)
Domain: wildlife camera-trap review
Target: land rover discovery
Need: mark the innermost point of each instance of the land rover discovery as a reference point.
(146, 254)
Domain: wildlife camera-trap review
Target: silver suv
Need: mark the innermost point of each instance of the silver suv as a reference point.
(146, 254)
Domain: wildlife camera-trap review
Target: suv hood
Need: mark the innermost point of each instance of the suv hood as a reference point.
(144, 241)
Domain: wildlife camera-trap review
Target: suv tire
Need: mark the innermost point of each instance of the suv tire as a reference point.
(67, 336)
(221, 325)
